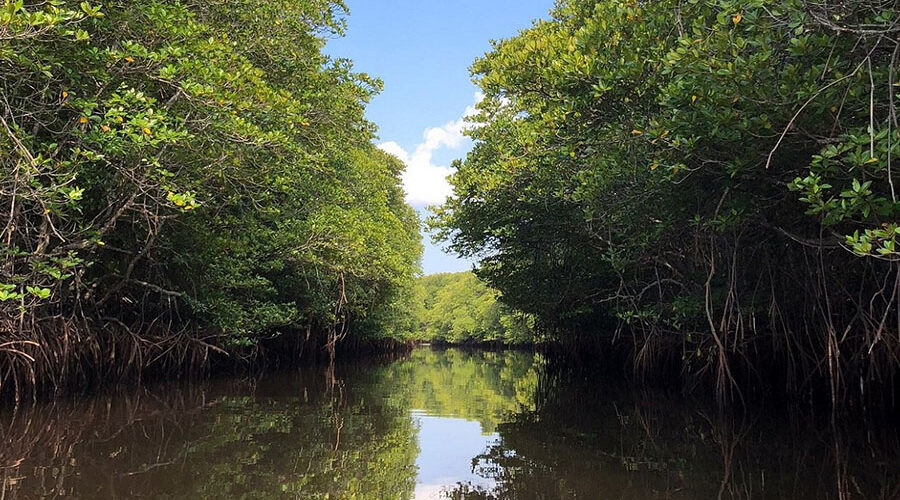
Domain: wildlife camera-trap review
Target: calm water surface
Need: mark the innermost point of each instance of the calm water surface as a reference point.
(437, 424)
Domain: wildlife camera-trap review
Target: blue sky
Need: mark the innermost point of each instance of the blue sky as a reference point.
(422, 49)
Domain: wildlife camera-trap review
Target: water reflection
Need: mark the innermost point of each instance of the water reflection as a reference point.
(438, 424)
(442, 467)
(288, 436)
(591, 437)
(458, 398)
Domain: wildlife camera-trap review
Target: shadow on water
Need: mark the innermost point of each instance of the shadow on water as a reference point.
(591, 436)
(437, 424)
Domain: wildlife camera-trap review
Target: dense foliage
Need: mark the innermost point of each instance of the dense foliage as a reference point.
(716, 175)
(179, 178)
(459, 308)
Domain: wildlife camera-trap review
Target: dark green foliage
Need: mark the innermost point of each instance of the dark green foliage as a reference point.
(178, 178)
(458, 308)
(715, 175)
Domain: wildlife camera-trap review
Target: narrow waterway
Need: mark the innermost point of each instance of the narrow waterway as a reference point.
(436, 424)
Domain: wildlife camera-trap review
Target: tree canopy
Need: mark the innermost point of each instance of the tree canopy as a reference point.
(715, 176)
(179, 179)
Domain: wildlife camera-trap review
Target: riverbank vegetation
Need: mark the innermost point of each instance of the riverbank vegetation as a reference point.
(717, 178)
(181, 181)
(457, 308)
(708, 183)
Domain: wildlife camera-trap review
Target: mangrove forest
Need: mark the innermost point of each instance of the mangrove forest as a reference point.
(674, 227)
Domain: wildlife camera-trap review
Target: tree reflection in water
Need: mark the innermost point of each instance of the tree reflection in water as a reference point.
(293, 435)
(593, 438)
(354, 433)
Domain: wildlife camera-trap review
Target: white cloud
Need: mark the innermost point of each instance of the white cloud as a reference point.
(426, 183)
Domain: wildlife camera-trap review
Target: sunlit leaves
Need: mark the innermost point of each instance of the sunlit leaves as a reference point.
(166, 156)
(457, 308)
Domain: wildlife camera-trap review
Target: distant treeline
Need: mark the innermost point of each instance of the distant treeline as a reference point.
(184, 179)
(457, 308)
(715, 177)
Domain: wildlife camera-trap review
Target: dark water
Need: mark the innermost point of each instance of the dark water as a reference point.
(438, 424)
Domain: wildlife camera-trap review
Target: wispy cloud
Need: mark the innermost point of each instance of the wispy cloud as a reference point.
(426, 183)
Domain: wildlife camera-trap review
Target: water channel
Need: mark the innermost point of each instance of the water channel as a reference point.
(439, 423)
